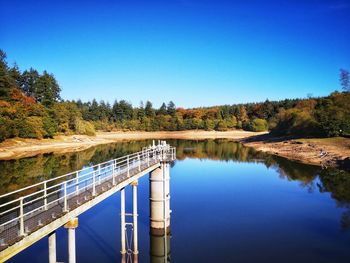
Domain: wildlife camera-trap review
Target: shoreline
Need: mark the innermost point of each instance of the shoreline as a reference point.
(20, 148)
(326, 152)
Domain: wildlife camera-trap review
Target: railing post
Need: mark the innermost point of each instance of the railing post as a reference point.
(127, 165)
(77, 183)
(45, 195)
(113, 172)
(99, 174)
(94, 183)
(138, 158)
(21, 217)
(147, 157)
(65, 205)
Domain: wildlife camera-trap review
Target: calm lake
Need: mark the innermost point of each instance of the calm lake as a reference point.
(229, 204)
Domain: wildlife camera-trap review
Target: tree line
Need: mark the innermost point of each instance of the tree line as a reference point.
(31, 107)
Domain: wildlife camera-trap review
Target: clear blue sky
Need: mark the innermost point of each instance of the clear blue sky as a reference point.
(196, 53)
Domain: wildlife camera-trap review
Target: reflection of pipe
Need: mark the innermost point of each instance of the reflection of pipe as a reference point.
(160, 247)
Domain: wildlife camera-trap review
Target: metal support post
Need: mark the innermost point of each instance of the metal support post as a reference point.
(65, 206)
(127, 164)
(21, 217)
(71, 226)
(52, 247)
(134, 215)
(77, 183)
(45, 195)
(122, 220)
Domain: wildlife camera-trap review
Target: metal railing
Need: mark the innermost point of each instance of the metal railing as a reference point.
(17, 207)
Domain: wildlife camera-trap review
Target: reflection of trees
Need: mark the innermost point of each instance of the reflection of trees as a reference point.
(334, 181)
(337, 182)
(15, 174)
(19, 173)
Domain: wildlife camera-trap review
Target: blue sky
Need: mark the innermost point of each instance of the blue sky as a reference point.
(196, 53)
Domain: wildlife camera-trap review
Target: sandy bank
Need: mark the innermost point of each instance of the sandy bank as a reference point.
(329, 152)
(19, 148)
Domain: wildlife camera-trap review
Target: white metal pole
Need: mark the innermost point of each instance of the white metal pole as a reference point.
(77, 183)
(71, 225)
(71, 245)
(164, 211)
(135, 215)
(127, 164)
(99, 174)
(94, 184)
(21, 218)
(52, 247)
(122, 220)
(113, 173)
(147, 158)
(45, 195)
(138, 158)
(65, 207)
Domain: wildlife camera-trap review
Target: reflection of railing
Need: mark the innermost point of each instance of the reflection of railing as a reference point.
(50, 198)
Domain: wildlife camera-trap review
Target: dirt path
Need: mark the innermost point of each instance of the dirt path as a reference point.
(19, 148)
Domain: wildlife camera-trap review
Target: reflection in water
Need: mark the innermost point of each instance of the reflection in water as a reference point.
(19, 173)
(160, 247)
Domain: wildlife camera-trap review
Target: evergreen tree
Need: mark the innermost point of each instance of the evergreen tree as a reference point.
(149, 109)
(29, 78)
(162, 110)
(47, 90)
(171, 109)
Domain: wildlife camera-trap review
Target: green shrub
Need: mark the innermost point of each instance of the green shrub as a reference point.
(84, 127)
(30, 127)
(6, 128)
(256, 125)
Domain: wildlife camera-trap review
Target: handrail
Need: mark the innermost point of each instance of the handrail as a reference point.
(87, 178)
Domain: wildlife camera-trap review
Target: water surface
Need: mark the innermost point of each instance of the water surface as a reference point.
(229, 204)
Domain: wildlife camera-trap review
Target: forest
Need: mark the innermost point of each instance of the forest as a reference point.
(31, 107)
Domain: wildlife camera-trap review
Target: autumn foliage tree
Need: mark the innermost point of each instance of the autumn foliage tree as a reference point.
(31, 107)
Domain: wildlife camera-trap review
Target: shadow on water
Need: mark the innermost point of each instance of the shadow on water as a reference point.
(15, 174)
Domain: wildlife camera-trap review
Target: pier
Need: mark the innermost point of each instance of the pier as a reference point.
(36, 211)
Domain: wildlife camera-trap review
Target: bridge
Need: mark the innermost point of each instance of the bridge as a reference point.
(36, 211)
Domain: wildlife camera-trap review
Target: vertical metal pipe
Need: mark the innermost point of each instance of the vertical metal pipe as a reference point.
(165, 217)
(122, 220)
(45, 195)
(71, 225)
(135, 215)
(94, 183)
(138, 158)
(99, 174)
(127, 164)
(77, 183)
(21, 217)
(71, 245)
(52, 247)
(113, 173)
(65, 206)
(147, 157)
